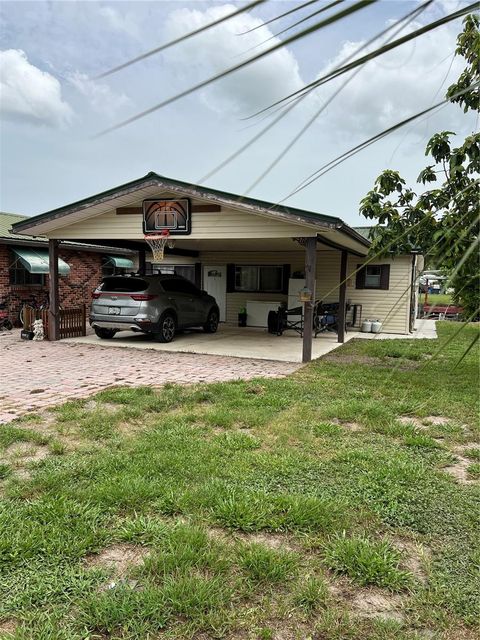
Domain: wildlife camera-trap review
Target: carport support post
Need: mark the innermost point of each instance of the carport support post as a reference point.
(310, 271)
(342, 297)
(53, 324)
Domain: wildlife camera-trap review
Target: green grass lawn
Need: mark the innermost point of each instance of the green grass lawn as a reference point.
(340, 503)
(437, 298)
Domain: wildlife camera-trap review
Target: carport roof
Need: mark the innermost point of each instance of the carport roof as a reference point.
(196, 191)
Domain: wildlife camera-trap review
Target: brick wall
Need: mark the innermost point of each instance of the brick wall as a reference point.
(75, 289)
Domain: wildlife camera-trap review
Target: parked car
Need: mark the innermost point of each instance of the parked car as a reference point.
(158, 305)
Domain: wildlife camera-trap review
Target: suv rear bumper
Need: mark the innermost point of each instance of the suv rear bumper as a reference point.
(145, 326)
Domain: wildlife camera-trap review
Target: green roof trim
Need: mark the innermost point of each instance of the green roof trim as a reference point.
(36, 261)
(121, 263)
(152, 178)
(364, 231)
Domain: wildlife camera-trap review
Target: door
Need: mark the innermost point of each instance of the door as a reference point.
(215, 284)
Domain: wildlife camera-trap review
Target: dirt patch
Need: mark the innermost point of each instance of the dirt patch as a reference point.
(26, 452)
(460, 449)
(425, 423)
(118, 559)
(373, 603)
(350, 426)
(270, 540)
(108, 407)
(459, 470)
(414, 558)
(8, 627)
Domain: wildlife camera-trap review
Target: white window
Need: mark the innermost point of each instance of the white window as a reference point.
(268, 279)
(373, 275)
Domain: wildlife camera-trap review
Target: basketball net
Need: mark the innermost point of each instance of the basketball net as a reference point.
(157, 243)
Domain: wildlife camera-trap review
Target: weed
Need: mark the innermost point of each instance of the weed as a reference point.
(267, 565)
(367, 562)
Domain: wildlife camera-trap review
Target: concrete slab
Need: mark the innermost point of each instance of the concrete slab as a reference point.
(424, 329)
(245, 342)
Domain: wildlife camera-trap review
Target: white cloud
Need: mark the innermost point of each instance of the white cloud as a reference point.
(396, 85)
(29, 94)
(217, 49)
(99, 96)
(118, 22)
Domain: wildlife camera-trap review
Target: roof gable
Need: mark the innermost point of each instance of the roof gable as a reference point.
(123, 194)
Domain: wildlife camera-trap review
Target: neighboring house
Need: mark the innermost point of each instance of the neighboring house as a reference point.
(246, 252)
(24, 268)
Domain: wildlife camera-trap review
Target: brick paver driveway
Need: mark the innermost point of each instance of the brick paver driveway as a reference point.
(39, 374)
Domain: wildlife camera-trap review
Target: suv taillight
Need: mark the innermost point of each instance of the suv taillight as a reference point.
(96, 295)
(141, 297)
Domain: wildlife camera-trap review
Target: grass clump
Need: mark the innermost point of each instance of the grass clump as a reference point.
(281, 512)
(5, 470)
(311, 594)
(263, 564)
(472, 454)
(473, 470)
(183, 548)
(367, 562)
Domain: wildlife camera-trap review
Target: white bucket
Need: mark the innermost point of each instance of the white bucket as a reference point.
(376, 326)
(366, 326)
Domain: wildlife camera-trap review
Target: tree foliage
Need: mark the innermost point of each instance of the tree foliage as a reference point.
(442, 222)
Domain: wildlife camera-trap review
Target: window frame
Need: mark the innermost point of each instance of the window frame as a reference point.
(16, 267)
(258, 288)
(383, 277)
(377, 276)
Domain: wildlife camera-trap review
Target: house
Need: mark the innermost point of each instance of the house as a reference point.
(246, 252)
(24, 268)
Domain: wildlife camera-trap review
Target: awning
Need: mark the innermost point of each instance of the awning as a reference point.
(36, 260)
(120, 262)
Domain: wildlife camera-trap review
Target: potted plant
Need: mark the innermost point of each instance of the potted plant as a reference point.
(242, 317)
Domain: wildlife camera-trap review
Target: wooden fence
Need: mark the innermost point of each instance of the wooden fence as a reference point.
(72, 322)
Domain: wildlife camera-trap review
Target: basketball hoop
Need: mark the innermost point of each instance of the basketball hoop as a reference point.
(157, 243)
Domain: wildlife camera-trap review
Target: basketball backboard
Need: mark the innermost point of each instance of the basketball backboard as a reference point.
(173, 215)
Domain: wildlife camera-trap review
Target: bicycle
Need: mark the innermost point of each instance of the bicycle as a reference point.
(35, 305)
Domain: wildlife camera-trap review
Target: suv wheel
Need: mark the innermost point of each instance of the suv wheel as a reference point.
(167, 328)
(104, 334)
(211, 324)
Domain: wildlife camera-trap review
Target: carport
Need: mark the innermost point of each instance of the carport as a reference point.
(231, 241)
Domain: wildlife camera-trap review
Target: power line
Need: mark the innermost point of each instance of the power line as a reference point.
(171, 43)
(360, 4)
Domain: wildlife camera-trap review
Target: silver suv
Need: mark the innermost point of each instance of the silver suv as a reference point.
(158, 305)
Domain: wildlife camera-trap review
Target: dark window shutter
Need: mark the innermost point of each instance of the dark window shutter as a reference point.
(385, 277)
(286, 277)
(230, 278)
(198, 274)
(360, 279)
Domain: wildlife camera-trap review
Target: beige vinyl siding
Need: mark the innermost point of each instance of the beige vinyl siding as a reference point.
(225, 224)
(389, 306)
(235, 301)
(392, 306)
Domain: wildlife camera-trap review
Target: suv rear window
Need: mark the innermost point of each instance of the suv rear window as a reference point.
(126, 285)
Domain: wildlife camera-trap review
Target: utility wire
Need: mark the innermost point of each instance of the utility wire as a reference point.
(171, 43)
(370, 56)
(296, 100)
(360, 4)
(295, 24)
(282, 15)
(366, 143)
(406, 21)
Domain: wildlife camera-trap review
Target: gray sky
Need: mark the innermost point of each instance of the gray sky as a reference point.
(51, 109)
